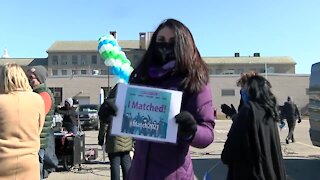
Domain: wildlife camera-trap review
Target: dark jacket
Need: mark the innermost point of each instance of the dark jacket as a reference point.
(252, 149)
(291, 111)
(69, 115)
(49, 117)
(159, 161)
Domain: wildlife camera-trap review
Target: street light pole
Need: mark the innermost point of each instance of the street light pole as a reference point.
(108, 79)
(266, 70)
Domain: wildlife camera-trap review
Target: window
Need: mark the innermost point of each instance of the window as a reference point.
(227, 92)
(211, 70)
(64, 60)
(54, 72)
(270, 70)
(95, 72)
(74, 59)
(88, 107)
(239, 71)
(55, 60)
(94, 59)
(101, 60)
(83, 72)
(74, 72)
(103, 72)
(218, 71)
(57, 93)
(83, 59)
(64, 72)
(229, 71)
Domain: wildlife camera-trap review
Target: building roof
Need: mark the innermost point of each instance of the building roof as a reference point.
(25, 61)
(87, 46)
(249, 60)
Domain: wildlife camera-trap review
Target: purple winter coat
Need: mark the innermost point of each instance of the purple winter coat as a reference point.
(159, 161)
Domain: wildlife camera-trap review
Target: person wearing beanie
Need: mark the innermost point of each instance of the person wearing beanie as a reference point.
(69, 116)
(40, 73)
(37, 76)
(70, 101)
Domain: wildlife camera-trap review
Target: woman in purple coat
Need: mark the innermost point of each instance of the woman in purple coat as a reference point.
(172, 61)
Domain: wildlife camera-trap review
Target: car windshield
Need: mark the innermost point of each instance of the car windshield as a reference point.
(88, 108)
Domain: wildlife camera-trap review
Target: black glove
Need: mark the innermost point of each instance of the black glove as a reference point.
(228, 111)
(107, 110)
(187, 125)
(299, 121)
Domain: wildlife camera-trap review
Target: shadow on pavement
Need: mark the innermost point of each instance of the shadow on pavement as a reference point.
(215, 168)
(302, 168)
(296, 168)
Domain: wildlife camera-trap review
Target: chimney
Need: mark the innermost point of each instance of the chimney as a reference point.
(237, 54)
(114, 34)
(256, 54)
(149, 36)
(5, 54)
(142, 40)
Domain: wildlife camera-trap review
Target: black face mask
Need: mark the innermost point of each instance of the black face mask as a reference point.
(164, 52)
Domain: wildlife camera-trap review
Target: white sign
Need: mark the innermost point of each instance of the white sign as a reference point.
(147, 113)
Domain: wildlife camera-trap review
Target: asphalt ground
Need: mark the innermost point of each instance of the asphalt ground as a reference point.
(302, 159)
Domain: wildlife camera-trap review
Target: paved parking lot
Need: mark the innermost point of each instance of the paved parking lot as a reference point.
(301, 158)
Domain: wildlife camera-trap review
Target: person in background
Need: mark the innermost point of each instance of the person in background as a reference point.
(172, 61)
(243, 91)
(37, 76)
(291, 113)
(229, 111)
(117, 147)
(252, 149)
(69, 116)
(22, 116)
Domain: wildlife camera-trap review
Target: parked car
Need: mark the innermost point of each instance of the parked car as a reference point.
(314, 104)
(88, 116)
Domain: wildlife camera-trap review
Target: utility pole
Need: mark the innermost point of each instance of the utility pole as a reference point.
(108, 79)
(266, 70)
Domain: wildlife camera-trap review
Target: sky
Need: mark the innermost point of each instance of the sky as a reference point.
(219, 27)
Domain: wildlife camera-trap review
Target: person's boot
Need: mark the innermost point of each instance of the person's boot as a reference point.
(293, 141)
(287, 140)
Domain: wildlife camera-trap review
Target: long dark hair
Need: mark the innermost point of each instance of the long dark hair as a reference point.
(189, 63)
(260, 92)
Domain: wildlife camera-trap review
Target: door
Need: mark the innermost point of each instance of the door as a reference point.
(83, 99)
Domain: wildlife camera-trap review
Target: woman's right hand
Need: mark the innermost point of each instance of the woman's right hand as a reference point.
(228, 111)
